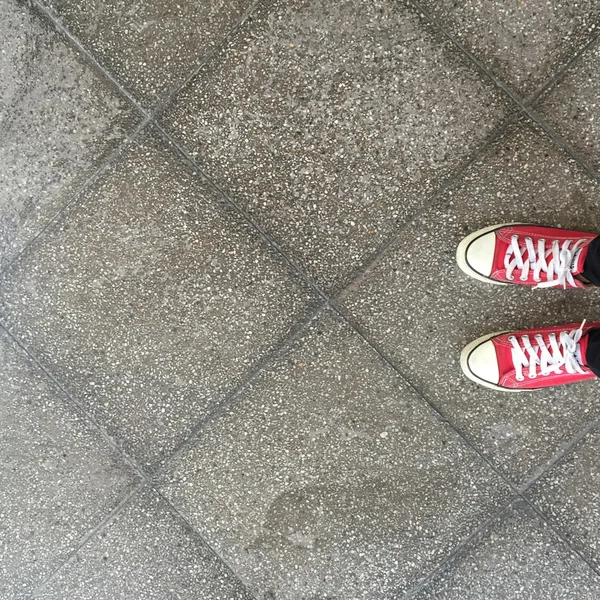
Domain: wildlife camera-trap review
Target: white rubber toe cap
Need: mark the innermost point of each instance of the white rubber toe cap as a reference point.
(482, 363)
(480, 254)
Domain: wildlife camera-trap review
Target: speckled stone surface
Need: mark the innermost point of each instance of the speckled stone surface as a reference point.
(330, 478)
(58, 120)
(570, 497)
(521, 557)
(422, 310)
(145, 552)
(58, 477)
(183, 414)
(573, 108)
(332, 122)
(151, 300)
(153, 46)
(523, 42)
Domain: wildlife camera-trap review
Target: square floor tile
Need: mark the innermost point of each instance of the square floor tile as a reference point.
(59, 120)
(523, 43)
(150, 46)
(150, 300)
(329, 478)
(421, 310)
(570, 496)
(573, 108)
(58, 477)
(521, 557)
(331, 122)
(145, 552)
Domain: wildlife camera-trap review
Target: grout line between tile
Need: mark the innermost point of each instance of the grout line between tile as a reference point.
(50, 16)
(560, 535)
(81, 190)
(149, 116)
(232, 396)
(87, 537)
(195, 533)
(518, 492)
(76, 406)
(559, 456)
(557, 139)
(244, 213)
(146, 478)
(563, 71)
(461, 549)
(522, 104)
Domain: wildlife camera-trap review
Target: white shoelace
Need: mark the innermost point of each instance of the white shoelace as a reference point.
(559, 268)
(548, 358)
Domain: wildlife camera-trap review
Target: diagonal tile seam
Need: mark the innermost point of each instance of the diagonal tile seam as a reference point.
(162, 104)
(518, 492)
(146, 478)
(147, 116)
(487, 527)
(454, 557)
(136, 491)
(150, 478)
(87, 537)
(150, 117)
(106, 165)
(524, 104)
(564, 71)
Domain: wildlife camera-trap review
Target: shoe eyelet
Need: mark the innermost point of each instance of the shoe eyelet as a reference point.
(519, 378)
(532, 376)
(510, 277)
(543, 241)
(514, 237)
(537, 279)
(512, 338)
(523, 278)
(528, 239)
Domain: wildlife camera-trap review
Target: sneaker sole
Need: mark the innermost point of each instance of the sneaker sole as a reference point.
(464, 364)
(461, 253)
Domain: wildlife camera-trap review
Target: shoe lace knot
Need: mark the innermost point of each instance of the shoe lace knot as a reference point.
(547, 357)
(558, 262)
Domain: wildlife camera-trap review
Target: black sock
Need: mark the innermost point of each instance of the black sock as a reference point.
(592, 354)
(591, 265)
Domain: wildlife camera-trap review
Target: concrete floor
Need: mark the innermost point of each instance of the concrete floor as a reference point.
(230, 316)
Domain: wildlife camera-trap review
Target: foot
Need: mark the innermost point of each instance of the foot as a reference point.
(525, 255)
(530, 359)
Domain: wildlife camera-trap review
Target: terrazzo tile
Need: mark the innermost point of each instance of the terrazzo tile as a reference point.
(150, 46)
(329, 478)
(59, 120)
(569, 496)
(573, 110)
(145, 552)
(421, 310)
(521, 557)
(330, 123)
(58, 477)
(150, 300)
(523, 43)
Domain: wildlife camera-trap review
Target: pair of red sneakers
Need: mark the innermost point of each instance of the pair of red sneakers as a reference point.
(538, 257)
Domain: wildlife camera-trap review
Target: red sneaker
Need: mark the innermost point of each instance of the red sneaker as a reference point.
(525, 255)
(529, 360)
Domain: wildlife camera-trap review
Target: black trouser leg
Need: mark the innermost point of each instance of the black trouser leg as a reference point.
(592, 355)
(591, 267)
